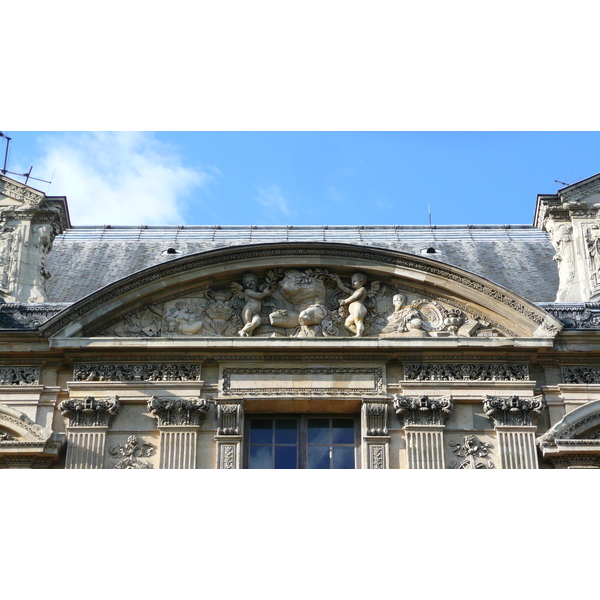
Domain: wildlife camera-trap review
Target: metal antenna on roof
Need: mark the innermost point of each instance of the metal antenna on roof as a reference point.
(5, 170)
(429, 210)
(561, 182)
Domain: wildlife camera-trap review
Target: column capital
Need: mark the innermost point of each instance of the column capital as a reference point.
(422, 410)
(179, 412)
(89, 412)
(513, 411)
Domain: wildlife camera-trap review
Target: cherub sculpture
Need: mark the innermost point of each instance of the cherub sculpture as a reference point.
(355, 302)
(251, 310)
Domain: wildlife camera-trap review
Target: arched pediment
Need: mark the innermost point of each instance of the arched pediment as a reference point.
(17, 426)
(581, 423)
(303, 290)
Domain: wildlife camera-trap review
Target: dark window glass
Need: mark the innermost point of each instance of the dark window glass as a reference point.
(286, 431)
(260, 457)
(343, 457)
(286, 457)
(261, 431)
(318, 457)
(342, 431)
(318, 431)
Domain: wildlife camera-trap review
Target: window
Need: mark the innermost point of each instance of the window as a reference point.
(306, 442)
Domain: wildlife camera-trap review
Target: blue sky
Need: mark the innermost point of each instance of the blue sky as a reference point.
(304, 178)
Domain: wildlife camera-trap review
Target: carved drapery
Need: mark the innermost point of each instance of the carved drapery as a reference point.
(230, 416)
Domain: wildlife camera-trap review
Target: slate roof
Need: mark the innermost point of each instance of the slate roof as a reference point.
(518, 257)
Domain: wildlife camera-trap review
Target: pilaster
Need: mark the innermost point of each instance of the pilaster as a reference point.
(88, 420)
(514, 420)
(178, 423)
(374, 430)
(424, 420)
(229, 438)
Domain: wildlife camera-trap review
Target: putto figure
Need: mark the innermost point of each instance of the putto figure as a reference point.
(251, 310)
(355, 302)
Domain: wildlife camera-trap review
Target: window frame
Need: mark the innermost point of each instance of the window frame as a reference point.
(303, 435)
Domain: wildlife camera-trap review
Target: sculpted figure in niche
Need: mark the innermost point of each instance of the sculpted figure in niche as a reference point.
(355, 303)
(405, 320)
(251, 310)
(307, 294)
(561, 236)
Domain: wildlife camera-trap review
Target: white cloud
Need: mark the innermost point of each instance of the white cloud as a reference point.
(118, 178)
(272, 197)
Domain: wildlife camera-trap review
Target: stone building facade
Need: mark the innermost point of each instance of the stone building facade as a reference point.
(393, 347)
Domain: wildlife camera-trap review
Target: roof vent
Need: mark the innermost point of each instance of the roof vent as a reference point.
(170, 251)
(430, 250)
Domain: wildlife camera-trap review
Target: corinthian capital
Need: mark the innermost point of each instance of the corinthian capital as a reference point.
(422, 410)
(89, 412)
(179, 411)
(513, 411)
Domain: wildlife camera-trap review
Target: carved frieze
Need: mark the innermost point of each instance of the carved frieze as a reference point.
(465, 372)
(422, 410)
(581, 375)
(137, 372)
(5, 437)
(229, 416)
(314, 302)
(89, 412)
(178, 412)
(298, 381)
(585, 315)
(132, 451)
(513, 411)
(471, 449)
(17, 375)
(23, 316)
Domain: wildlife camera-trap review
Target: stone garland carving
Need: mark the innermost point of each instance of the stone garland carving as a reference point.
(471, 449)
(139, 372)
(513, 411)
(178, 412)
(19, 375)
(380, 257)
(422, 410)
(376, 372)
(581, 375)
(466, 372)
(229, 417)
(376, 416)
(377, 457)
(293, 303)
(133, 451)
(89, 412)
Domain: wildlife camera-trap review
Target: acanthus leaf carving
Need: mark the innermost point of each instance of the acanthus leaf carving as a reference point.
(89, 412)
(132, 451)
(422, 410)
(376, 416)
(17, 375)
(178, 412)
(229, 416)
(513, 411)
(137, 372)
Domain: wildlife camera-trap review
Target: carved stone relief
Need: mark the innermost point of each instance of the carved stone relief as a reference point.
(89, 412)
(376, 417)
(229, 416)
(422, 410)
(465, 372)
(313, 302)
(132, 451)
(19, 375)
(513, 411)
(5, 437)
(137, 372)
(179, 412)
(23, 316)
(471, 449)
(581, 375)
